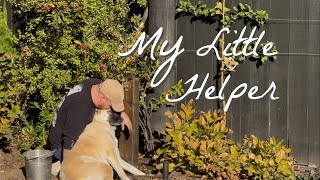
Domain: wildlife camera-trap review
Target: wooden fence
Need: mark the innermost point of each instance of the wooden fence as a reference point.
(294, 26)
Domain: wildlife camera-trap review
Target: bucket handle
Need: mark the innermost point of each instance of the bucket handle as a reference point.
(42, 155)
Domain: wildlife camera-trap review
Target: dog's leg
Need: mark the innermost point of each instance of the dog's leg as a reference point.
(114, 162)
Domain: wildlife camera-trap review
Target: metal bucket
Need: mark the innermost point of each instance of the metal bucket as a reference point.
(38, 164)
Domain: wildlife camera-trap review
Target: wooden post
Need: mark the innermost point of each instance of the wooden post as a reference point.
(162, 14)
(129, 144)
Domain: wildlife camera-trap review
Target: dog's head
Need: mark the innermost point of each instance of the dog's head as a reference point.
(108, 115)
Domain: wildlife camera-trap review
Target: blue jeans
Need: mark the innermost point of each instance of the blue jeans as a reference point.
(58, 154)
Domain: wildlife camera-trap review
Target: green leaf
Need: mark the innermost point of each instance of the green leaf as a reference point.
(193, 127)
(234, 151)
(160, 151)
(181, 150)
(266, 175)
(206, 12)
(5, 13)
(226, 9)
(271, 162)
(188, 152)
(159, 166)
(264, 59)
(255, 140)
(171, 167)
(242, 7)
(235, 9)
(218, 136)
(219, 5)
(251, 170)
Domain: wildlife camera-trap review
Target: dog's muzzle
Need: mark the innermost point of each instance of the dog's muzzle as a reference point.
(115, 119)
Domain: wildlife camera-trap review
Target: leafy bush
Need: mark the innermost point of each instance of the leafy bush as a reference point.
(9, 101)
(266, 159)
(201, 146)
(58, 44)
(198, 145)
(6, 44)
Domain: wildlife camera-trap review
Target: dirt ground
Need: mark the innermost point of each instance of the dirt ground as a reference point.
(12, 168)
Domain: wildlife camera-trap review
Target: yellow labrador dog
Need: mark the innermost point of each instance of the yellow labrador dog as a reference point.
(96, 152)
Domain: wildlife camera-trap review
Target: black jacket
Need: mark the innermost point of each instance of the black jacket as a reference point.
(73, 113)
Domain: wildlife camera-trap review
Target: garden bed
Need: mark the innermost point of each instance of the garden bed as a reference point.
(12, 168)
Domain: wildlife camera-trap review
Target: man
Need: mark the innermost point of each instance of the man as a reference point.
(77, 108)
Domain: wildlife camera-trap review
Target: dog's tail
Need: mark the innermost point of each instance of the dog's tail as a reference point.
(131, 169)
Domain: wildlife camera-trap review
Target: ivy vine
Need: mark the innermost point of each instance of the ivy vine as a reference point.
(244, 12)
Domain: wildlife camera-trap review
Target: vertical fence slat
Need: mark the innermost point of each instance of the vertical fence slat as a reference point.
(313, 111)
(240, 109)
(279, 70)
(298, 82)
(278, 108)
(204, 65)
(297, 115)
(259, 121)
(185, 70)
(314, 84)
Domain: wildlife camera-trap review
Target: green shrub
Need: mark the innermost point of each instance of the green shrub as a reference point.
(6, 44)
(266, 159)
(202, 146)
(198, 146)
(59, 43)
(10, 107)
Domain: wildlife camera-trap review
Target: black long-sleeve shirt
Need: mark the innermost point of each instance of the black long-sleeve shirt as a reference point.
(73, 113)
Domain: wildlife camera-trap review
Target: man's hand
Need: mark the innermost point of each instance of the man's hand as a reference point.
(126, 122)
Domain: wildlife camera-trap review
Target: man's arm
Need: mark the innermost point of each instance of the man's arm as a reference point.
(56, 130)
